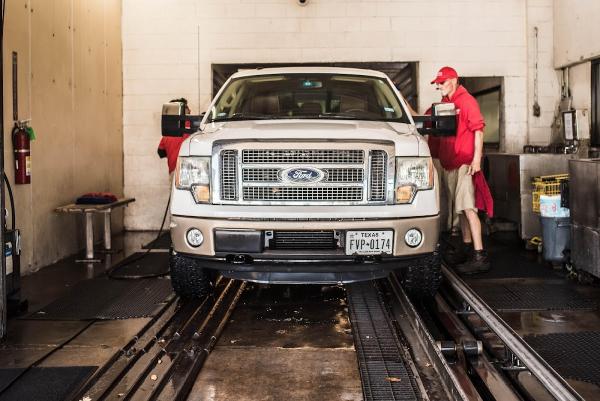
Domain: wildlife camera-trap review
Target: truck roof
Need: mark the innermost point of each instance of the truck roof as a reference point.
(308, 70)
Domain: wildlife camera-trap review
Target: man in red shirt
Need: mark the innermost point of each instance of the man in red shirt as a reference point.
(460, 157)
(169, 145)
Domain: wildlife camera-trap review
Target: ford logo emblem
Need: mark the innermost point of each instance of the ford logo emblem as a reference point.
(302, 174)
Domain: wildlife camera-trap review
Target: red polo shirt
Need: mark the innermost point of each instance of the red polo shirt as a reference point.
(454, 151)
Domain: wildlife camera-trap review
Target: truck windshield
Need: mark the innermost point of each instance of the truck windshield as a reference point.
(308, 96)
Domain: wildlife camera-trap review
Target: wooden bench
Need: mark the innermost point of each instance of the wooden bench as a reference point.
(89, 211)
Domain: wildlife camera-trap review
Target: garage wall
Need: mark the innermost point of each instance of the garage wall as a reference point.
(576, 29)
(541, 75)
(169, 46)
(70, 86)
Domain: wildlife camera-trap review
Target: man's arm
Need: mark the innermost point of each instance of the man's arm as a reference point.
(476, 163)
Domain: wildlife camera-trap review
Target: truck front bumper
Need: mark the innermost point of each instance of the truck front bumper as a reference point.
(428, 226)
(295, 266)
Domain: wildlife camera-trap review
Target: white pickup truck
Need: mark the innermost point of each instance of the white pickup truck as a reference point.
(304, 175)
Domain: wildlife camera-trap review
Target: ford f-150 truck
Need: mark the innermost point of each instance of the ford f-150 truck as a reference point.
(305, 175)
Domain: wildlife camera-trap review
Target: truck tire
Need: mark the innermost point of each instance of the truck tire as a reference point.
(423, 278)
(188, 279)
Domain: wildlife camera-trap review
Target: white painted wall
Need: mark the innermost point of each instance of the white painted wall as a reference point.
(580, 82)
(576, 30)
(163, 41)
(541, 52)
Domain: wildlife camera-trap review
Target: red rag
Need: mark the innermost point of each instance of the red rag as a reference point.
(483, 196)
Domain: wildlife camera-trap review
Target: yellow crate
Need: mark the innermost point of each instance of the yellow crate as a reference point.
(546, 185)
(550, 178)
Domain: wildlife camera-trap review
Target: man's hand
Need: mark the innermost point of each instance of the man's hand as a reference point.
(475, 166)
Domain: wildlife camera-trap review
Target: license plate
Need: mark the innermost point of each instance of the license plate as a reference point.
(369, 242)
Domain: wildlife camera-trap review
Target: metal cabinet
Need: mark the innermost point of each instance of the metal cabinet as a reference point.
(584, 200)
(510, 184)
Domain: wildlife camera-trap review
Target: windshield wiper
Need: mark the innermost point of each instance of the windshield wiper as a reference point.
(243, 116)
(348, 116)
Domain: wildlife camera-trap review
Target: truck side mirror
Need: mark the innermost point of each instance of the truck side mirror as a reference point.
(441, 122)
(174, 121)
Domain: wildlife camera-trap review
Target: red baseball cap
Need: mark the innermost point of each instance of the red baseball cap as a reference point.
(444, 74)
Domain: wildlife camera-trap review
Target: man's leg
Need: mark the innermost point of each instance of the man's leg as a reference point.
(465, 229)
(446, 202)
(460, 254)
(473, 224)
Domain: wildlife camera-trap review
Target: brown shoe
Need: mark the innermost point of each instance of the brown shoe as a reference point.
(456, 256)
(477, 263)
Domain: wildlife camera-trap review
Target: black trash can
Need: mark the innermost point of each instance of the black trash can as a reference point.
(556, 237)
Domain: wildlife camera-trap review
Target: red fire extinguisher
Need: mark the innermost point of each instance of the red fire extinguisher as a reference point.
(22, 149)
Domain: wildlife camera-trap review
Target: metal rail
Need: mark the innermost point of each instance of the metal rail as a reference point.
(185, 368)
(494, 380)
(547, 376)
(109, 375)
(145, 368)
(406, 315)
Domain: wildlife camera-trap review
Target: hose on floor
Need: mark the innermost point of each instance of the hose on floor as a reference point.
(110, 272)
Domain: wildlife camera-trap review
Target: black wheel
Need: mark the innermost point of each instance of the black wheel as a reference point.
(423, 279)
(188, 279)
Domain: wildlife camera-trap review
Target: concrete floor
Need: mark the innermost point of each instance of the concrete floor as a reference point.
(282, 342)
(528, 269)
(294, 341)
(27, 341)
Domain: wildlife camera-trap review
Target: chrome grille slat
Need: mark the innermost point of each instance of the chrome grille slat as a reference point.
(378, 175)
(302, 156)
(260, 174)
(348, 175)
(302, 194)
(229, 181)
(345, 175)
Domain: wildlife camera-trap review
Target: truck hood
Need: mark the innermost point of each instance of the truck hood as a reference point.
(407, 141)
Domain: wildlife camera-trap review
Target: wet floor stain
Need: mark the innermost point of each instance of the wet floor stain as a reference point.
(284, 342)
(290, 317)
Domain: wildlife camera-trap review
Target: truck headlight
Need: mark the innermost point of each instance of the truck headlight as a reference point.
(193, 173)
(412, 174)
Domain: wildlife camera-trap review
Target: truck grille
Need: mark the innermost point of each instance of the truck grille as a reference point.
(303, 240)
(253, 176)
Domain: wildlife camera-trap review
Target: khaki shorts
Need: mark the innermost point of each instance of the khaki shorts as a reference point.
(460, 189)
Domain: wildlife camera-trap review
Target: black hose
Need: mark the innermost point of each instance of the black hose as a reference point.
(13, 216)
(109, 273)
(45, 356)
(3, 310)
